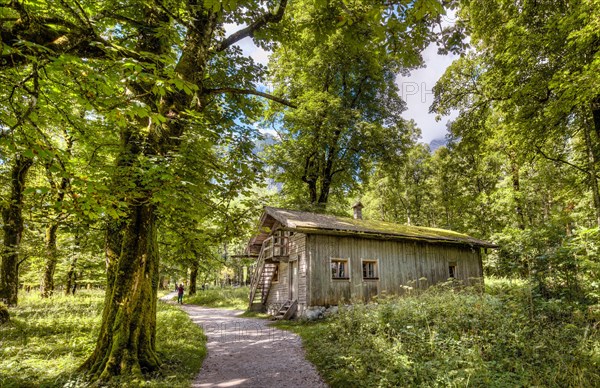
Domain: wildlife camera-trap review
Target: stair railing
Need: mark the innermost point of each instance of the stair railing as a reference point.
(260, 264)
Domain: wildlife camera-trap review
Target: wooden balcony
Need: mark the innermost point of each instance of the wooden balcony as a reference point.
(276, 247)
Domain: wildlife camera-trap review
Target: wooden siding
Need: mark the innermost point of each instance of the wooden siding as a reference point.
(298, 252)
(280, 292)
(401, 264)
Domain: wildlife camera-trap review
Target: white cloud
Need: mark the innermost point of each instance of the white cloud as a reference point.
(417, 91)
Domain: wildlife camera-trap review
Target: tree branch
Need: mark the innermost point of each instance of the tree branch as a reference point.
(263, 20)
(586, 172)
(253, 92)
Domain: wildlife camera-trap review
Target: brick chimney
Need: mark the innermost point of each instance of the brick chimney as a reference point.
(357, 210)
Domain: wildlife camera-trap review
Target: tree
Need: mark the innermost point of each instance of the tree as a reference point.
(12, 220)
(59, 191)
(347, 114)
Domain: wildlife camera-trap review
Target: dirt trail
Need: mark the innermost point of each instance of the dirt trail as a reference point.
(247, 352)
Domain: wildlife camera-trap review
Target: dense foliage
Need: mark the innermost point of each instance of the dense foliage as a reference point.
(445, 337)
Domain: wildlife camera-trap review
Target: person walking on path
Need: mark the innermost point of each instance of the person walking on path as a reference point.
(180, 294)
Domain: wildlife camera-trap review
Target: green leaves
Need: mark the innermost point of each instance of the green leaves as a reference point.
(221, 5)
(339, 66)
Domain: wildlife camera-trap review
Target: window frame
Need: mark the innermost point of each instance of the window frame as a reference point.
(362, 268)
(452, 267)
(275, 273)
(347, 267)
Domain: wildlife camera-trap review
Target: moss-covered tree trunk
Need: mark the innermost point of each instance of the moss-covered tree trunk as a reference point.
(12, 217)
(126, 344)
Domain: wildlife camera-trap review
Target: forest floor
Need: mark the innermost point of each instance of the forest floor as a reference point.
(47, 339)
(247, 352)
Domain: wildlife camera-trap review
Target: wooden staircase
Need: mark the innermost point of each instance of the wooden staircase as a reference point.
(261, 282)
(273, 249)
(287, 310)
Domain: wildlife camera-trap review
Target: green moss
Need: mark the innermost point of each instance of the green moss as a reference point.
(416, 231)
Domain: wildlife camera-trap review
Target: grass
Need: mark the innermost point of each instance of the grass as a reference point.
(445, 337)
(254, 314)
(228, 297)
(47, 339)
(162, 293)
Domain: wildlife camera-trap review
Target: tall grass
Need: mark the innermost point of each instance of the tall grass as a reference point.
(47, 339)
(227, 297)
(447, 338)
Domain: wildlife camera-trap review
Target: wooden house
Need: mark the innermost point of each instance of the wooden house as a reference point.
(309, 259)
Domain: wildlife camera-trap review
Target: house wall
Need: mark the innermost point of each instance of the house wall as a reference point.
(401, 265)
(280, 291)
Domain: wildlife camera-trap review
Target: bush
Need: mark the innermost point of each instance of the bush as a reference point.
(457, 338)
(559, 266)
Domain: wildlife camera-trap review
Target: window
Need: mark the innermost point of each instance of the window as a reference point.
(340, 269)
(451, 270)
(370, 269)
(275, 277)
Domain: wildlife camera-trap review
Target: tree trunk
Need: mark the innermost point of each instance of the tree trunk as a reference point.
(126, 344)
(328, 172)
(310, 178)
(514, 166)
(71, 276)
(592, 171)
(47, 285)
(596, 115)
(193, 271)
(13, 229)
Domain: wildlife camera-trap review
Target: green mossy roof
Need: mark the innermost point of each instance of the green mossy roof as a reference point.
(306, 221)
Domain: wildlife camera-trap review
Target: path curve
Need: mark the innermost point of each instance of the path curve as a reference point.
(247, 352)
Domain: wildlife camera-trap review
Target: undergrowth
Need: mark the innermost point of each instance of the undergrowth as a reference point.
(46, 341)
(443, 337)
(227, 297)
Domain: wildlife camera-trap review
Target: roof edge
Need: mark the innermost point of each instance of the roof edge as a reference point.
(395, 236)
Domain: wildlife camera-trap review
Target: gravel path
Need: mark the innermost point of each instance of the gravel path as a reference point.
(247, 352)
